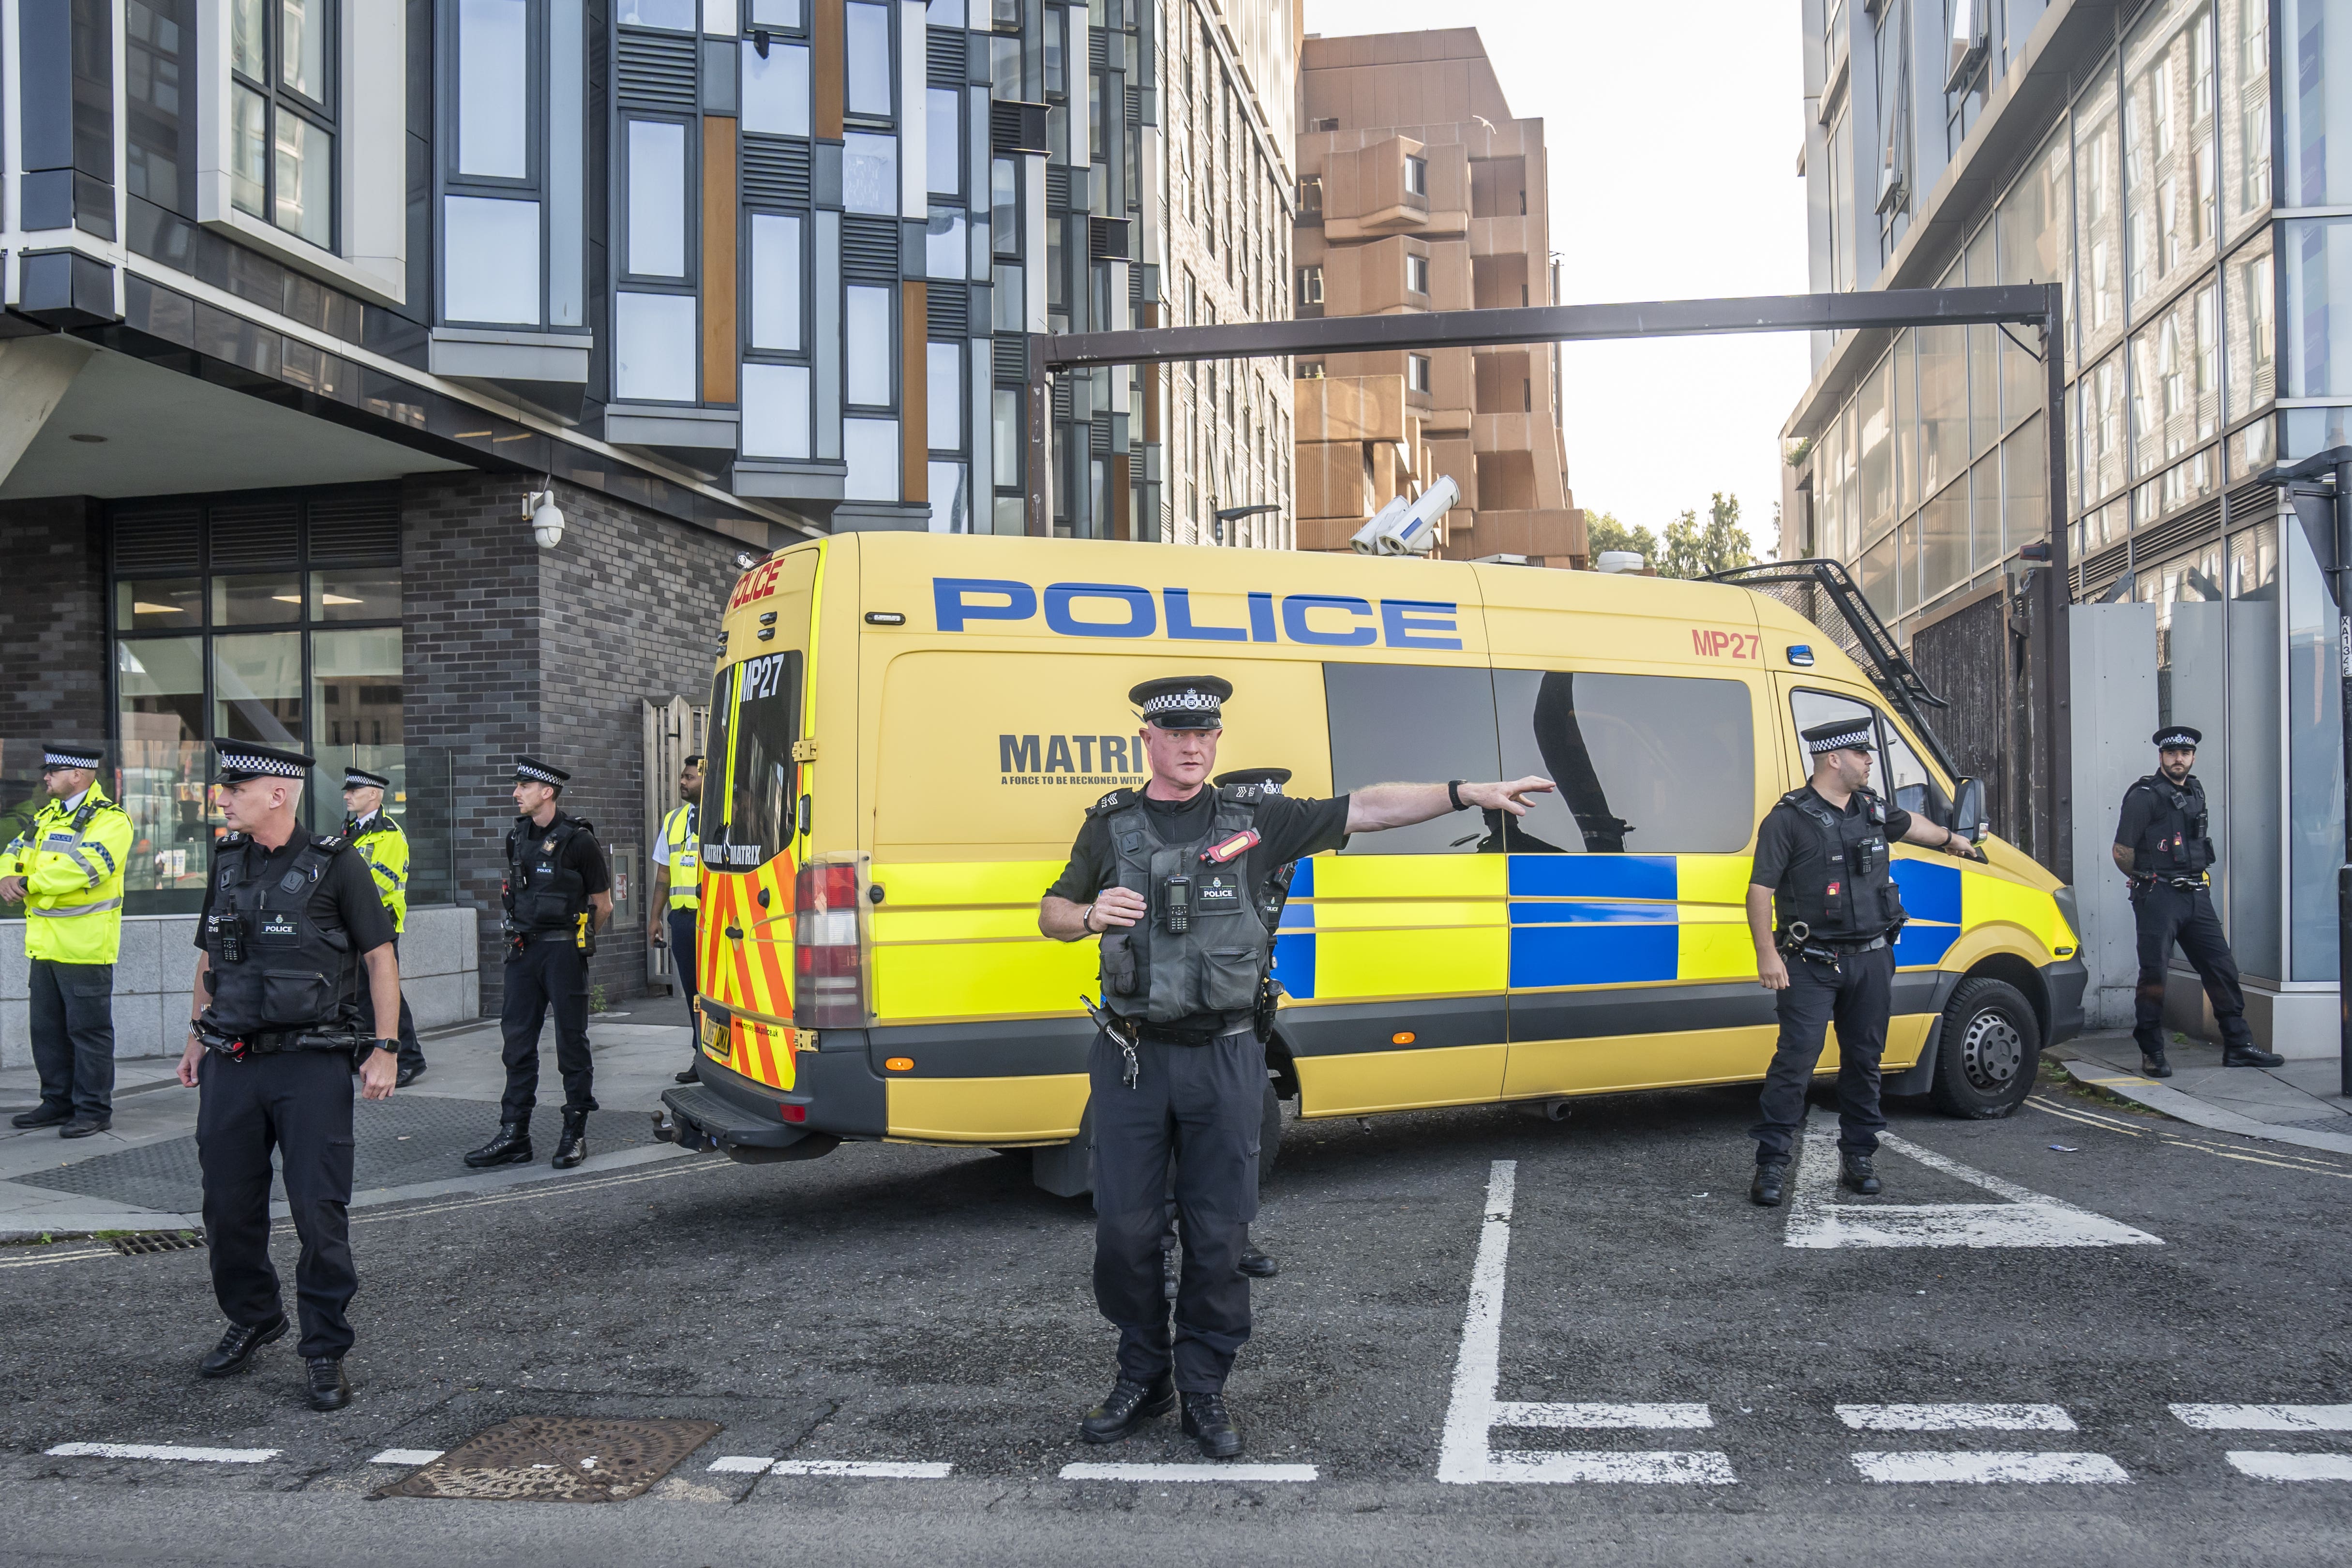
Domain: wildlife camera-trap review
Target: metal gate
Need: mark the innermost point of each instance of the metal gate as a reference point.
(675, 731)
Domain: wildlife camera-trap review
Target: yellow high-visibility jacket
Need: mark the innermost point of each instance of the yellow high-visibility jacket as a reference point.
(72, 863)
(678, 833)
(383, 845)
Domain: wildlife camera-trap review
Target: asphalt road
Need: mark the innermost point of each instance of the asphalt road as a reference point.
(929, 1307)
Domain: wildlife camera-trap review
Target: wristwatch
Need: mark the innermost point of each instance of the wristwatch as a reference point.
(391, 1045)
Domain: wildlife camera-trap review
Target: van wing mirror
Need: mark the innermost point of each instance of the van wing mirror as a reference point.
(1968, 811)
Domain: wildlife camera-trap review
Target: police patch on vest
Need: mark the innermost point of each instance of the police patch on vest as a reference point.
(279, 927)
(1217, 893)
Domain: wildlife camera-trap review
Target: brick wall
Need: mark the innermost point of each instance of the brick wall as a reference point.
(53, 650)
(512, 649)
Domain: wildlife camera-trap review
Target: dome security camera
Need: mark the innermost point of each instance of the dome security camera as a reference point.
(546, 516)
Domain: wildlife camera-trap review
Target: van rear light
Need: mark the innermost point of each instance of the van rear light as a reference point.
(792, 1113)
(828, 946)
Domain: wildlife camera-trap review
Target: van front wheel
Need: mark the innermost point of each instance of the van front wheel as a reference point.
(1988, 1051)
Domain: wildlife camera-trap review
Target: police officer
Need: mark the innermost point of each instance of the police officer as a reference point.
(559, 894)
(275, 1025)
(677, 851)
(382, 845)
(66, 868)
(1169, 877)
(2162, 846)
(1822, 892)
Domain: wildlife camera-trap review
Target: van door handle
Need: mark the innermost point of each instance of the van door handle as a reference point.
(763, 898)
(736, 932)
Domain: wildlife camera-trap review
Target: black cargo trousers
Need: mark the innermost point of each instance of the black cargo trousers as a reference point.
(1202, 1106)
(2164, 914)
(1856, 993)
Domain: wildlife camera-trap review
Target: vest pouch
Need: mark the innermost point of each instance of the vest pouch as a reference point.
(1229, 979)
(1118, 968)
(296, 999)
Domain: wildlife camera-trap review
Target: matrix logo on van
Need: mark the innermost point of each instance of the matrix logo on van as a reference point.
(1070, 759)
(1117, 609)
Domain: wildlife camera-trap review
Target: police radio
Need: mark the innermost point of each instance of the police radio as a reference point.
(1177, 900)
(230, 928)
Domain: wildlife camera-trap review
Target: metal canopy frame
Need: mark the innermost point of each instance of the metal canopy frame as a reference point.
(2040, 305)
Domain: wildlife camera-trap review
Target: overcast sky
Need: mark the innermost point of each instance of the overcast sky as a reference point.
(1674, 133)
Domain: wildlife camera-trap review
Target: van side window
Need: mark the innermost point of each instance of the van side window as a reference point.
(1899, 777)
(1646, 764)
(748, 820)
(1410, 724)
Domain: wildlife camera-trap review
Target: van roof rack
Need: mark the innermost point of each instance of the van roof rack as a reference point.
(1823, 593)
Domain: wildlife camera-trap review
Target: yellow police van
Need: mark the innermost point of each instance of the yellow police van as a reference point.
(907, 731)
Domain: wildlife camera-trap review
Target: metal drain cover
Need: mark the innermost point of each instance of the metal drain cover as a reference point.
(158, 1241)
(557, 1458)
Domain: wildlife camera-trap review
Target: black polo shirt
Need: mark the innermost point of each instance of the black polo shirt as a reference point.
(1789, 844)
(350, 904)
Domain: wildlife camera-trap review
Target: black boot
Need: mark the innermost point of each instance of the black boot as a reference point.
(1856, 1171)
(2250, 1055)
(409, 1073)
(510, 1148)
(42, 1115)
(1207, 1424)
(330, 1389)
(1128, 1406)
(572, 1148)
(2153, 1065)
(691, 1074)
(235, 1351)
(85, 1127)
(1771, 1176)
(1255, 1263)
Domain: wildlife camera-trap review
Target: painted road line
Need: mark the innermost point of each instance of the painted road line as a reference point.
(865, 1470)
(1649, 1417)
(1923, 1466)
(77, 1255)
(1654, 1467)
(160, 1451)
(2267, 1465)
(1188, 1472)
(2069, 1113)
(2266, 1418)
(742, 1464)
(1956, 1417)
(411, 1457)
(2023, 1219)
(1466, 1454)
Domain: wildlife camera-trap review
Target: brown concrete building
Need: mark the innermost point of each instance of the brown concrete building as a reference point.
(1420, 191)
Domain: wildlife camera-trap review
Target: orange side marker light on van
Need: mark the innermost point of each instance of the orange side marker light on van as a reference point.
(900, 1064)
(1403, 1036)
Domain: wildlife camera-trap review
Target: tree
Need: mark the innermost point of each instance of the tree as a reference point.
(1603, 531)
(1696, 549)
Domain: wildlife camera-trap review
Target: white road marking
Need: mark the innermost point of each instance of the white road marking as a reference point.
(76, 1255)
(1514, 1412)
(2073, 1114)
(1466, 1455)
(1931, 1466)
(2267, 1465)
(863, 1469)
(1656, 1467)
(1956, 1417)
(1188, 1472)
(162, 1451)
(406, 1457)
(2266, 1418)
(2026, 1217)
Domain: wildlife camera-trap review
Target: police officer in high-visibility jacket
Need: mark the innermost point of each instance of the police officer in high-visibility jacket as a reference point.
(66, 870)
(383, 845)
(2162, 846)
(1171, 878)
(677, 890)
(1823, 911)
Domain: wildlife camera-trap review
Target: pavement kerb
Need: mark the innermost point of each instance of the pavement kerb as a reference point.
(2147, 1092)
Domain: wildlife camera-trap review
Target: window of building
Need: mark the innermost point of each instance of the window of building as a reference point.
(1416, 274)
(779, 302)
(1416, 177)
(869, 79)
(1646, 764)
(1310, 197)
(1416, 372)
(492, 251)
(1004, 206)
(282, 61)
(653, 347)
(944, 243)
(775, 411)
(675, 15)
(870, 447)
(654, 190)
(867, 324)
(943, 139)
(775, 89)
(869, 173)
(158, 94)
(778, 13)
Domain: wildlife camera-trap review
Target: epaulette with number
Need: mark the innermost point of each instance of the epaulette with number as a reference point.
(1243, 794)
(1117, 801)
(233, 839)
(332, 843)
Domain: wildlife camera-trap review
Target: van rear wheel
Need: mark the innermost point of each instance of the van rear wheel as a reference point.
(1988, 1052)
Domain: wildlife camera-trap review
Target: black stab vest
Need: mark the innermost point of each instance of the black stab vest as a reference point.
(2174, 843)
(295, 974)
(543, 891)
(1852, 897)
(1158, 975)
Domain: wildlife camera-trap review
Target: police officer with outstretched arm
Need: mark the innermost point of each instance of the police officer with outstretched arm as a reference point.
(275, 1031)
(676, 903)
(559, 894)
(1168, 878)
(1824, 913)
(383, 845)
(2162, 846)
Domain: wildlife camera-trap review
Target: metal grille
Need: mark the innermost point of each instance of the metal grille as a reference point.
(1098, 435)
(356, 528)
(1135, 106)
(775, 174)
(657, 72)
(2248, 502)
(158, 1242)
(1098, 48)
(1107, 239)
(1057, 189)
(254, 535)
(1010, 350)
(548, 1459)
(943, 57)
(1016, 127)
(1062, 397)
(869, 249)
(159, 541)
(2176, 533)
(946, 310)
